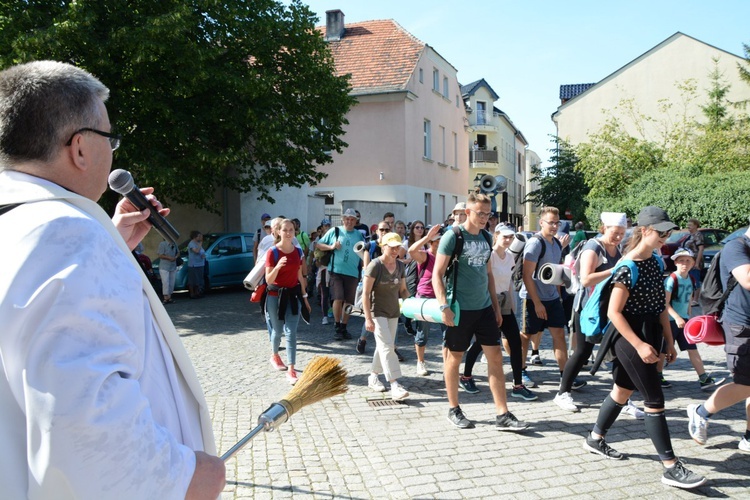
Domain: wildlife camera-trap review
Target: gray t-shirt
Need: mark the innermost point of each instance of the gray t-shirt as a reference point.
(552, 254)
(385, 290)
(737, 307)
(169, 249)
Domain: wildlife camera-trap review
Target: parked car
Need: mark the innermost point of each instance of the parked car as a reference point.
(678, 238)
(229, 257)
(710, 251)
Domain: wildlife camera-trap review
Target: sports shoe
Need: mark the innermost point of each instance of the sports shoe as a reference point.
(522, 392)
(710, 383)
(680, 477)
(577, 384)
(600, 447)
(457, 418)
(344, 334)
(632, 410)
(536, 360)
(744, 445)
(421, 369)
(565, 401)
(325, 320)
(468, 384)
(398, 354)
(291, 376)
(338, 336)
(527, 380)
(361, 343)
(277, 363)
(697, 425)
(509, 422)
(398, 393)
(665, 384)
(374, 383)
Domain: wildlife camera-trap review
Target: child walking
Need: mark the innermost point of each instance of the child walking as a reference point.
(678, 306)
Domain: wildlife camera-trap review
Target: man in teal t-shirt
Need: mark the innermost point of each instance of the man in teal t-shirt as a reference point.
(343, 269)
(480, 312)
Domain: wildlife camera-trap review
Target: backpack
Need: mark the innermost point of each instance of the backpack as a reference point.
(452, 269)
(713, 295)
(594, 320)
(573, 261)
(323, 257)
(517, 275)
(413, 276)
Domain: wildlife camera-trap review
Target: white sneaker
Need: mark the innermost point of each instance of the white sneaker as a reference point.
(421, 369)
(325, 320)
(744, 445)
(375, 384)
(398, 393)
(536, 360)
(483, 359)
(632, 410)
(565, 401)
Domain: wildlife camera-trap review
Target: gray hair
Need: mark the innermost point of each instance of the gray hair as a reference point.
(42, 103)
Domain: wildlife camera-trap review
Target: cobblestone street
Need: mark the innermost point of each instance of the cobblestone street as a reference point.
(346, 448)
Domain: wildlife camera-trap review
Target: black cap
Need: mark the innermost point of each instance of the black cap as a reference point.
(656, 218)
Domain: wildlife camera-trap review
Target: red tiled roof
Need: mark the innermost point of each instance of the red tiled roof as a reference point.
(379, 55)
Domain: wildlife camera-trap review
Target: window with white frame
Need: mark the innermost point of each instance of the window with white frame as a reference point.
(427, 153)
(436, 80)
(455, 149)
(442, 143)
(445, 87)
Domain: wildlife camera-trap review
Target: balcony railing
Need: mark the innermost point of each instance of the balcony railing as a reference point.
(483, 117)
(482, 156)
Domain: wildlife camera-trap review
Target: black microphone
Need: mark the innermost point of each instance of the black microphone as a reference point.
(121, 182)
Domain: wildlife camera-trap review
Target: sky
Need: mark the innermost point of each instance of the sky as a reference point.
(526, 49)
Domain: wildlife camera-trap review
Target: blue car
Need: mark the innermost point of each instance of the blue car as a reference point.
(229, 257)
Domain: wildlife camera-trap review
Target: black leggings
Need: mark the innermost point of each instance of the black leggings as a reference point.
(630, 372)
(513, 336)
(578, 359)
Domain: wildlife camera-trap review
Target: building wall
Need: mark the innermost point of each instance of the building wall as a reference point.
(531, 219)
(386, 136)
(649, 80)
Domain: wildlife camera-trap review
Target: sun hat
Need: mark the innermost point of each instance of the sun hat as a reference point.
(610, 219)
(683, 252)
(504, 230)
(391, 240)
(461, 206)
(349, 212)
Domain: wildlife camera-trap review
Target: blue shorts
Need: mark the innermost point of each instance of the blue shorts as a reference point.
(533, 325)
(480, 324)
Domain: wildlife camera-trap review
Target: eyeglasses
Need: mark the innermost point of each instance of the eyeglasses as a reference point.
(114, 139)
(663, 234)
(418, 227)
(552, 223)
(481, 215)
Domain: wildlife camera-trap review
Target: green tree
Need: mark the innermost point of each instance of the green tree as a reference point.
(560, 185)
(240, 94)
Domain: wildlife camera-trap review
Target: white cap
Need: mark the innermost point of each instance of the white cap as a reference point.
(614, 219)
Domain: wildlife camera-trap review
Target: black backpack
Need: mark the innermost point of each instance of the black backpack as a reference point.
(518, 266)
(452, 269)
(413, 276)
(713, 295)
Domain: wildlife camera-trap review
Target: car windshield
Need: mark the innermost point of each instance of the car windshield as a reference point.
(675, 237)
(734, 235)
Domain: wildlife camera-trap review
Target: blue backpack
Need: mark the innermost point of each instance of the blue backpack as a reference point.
(594, 320)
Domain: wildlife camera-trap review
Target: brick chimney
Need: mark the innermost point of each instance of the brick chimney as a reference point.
(334, 25)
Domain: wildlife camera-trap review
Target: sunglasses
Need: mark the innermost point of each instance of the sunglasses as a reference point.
(384, 229)
(663, 234)
(418, 227)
